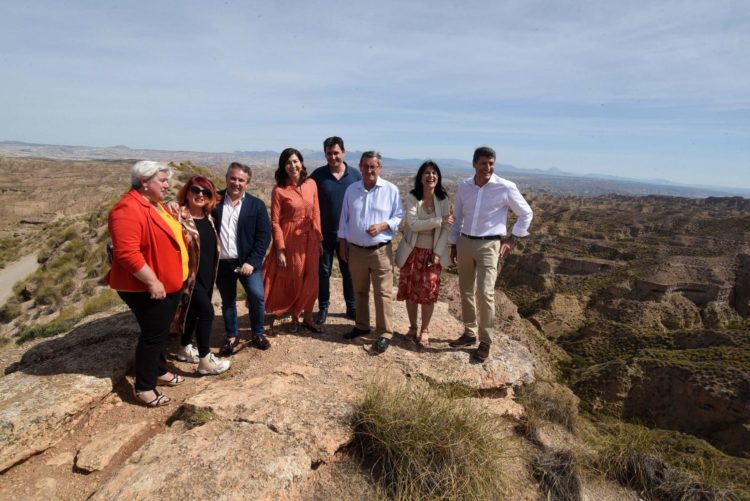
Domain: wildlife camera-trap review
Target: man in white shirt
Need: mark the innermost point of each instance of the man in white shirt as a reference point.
(370, 215)
(245, 232)
(478, 239)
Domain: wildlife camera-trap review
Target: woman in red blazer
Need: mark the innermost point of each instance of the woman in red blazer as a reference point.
(149, 267)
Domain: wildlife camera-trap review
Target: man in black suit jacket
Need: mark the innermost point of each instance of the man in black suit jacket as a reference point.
(245, 233)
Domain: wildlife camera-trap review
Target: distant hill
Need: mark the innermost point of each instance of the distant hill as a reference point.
(552, 180)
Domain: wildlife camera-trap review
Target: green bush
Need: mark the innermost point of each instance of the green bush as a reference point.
(104, 301)
(44, 331)
(192, 416)
(422, 445)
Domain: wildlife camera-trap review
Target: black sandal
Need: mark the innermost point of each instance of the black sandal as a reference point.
(159, 401)
(176, 379)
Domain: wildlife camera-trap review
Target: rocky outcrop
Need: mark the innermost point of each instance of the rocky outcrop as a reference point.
(295, 401)
(262, 430)
(564, 313)
(538, 270)
(666, 389)
(57, 381)
(35, 411)
(219, 460)
(267, 433)
(700, 281)
(97, 454)
(672, 397)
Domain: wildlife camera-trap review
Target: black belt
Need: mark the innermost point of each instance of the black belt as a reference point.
(488, 237)
(372, 247)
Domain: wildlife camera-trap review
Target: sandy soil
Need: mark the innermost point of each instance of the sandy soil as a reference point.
(13, 272)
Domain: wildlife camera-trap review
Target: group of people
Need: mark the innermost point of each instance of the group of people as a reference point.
(168, 256)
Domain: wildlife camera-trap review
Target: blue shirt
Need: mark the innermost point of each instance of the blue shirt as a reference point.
(362, 208)
(331, 196)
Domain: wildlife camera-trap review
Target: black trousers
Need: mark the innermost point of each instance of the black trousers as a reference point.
(154, 317)
(200, 318)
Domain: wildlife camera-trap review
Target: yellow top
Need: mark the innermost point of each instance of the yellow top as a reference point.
(176, 228)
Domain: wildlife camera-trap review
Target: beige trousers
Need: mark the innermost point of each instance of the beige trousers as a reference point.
(377, 266)
(477, 271)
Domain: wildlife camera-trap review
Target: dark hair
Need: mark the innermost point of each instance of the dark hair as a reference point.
(483, 151)
(280, 173)
(418, 190)
(203, 182)
(333, 141)
(244, 168)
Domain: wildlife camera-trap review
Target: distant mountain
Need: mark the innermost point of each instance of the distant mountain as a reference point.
(552, 180)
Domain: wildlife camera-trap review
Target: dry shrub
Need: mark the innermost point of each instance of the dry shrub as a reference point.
(421, 445)
(631, 456)
(10, 311)
(547, 402)
(557, 474)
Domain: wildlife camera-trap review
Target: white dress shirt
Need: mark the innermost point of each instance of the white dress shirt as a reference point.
(483, 212)
(230, 215)
(362, 208)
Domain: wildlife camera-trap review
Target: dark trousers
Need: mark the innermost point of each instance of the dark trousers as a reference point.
(200, 318)
(331, 247)
(154, 317)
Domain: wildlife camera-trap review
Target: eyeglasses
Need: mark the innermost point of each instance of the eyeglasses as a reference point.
(197, 190)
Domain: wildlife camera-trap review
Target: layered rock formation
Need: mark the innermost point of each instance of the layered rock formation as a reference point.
(652, 303)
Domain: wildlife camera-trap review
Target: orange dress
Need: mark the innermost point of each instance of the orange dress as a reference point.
(295, 225)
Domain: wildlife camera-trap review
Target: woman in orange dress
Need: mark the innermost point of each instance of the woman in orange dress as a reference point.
(290, 271)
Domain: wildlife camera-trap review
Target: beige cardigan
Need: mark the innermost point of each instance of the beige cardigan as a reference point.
(413, 225)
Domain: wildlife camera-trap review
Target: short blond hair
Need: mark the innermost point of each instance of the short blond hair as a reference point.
(145, 170)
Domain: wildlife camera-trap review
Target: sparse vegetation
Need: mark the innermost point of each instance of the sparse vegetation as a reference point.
(50, 329)
(557, 474)
(667, 465)
(8, 250)
(10, 311)
(192, 416)
(422, 445)
(105, 300)
(547, 402)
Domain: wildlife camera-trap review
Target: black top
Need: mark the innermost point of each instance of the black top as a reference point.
(204, 277)
(331, 197)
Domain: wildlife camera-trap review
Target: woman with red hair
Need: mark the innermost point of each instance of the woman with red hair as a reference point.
(195, 313)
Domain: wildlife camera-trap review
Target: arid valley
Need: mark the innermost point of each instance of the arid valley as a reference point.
(622, 368)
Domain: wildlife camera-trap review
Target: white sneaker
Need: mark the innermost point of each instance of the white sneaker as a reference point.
(188, 353)
(210, 365)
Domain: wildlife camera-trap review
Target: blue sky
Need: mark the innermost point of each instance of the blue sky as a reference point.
(644, 89)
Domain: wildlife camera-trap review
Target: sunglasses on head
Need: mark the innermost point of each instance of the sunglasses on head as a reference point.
(197, 190)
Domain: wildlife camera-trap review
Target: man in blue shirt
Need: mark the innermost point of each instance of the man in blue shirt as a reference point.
(370, 215)
(333, 179)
